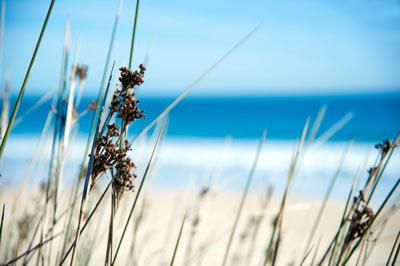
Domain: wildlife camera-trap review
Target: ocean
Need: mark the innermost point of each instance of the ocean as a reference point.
(375, 116)
(213, 139)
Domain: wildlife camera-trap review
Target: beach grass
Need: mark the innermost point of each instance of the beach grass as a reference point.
(25, 81)
(87, 222)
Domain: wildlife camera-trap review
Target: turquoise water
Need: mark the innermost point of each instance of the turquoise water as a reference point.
(376, 116)
(196, 146)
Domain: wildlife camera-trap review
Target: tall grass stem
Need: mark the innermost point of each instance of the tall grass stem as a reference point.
(243, 198)
(22, 89)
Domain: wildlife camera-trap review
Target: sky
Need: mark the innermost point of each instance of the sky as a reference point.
(302, 47)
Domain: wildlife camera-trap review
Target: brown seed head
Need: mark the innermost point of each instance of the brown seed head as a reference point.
(81, 71)
(384, 147)
(131, 79)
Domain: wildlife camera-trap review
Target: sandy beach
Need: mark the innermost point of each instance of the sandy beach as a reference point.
(203, 241)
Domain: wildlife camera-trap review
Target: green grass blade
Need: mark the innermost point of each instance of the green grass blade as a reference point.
(124, 133)
(2, 222)
(243, 199)
(396, 255)
(393, 248)
(110, 231)
(134, 33)
(178, 240)
(22, 89)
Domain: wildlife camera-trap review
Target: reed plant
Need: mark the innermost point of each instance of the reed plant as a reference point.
(75, 223)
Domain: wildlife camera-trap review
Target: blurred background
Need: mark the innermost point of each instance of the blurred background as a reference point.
(338, 59)
(303, 47)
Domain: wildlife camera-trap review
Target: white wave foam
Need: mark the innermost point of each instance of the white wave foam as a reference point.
(192, 161)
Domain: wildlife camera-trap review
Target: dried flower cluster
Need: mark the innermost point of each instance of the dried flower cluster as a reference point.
(361, 216)
(130, 79)
(106, 153)
(384, 147)
(123, 179)
(92, 106)
(109, 154)
(361, 219)
(23, 226)
(81, 71)
(124, 102)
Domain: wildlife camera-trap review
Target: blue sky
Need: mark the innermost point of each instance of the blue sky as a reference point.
(302, 46)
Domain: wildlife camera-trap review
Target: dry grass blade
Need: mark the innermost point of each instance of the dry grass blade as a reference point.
(333, 243)
(86, 223)
(54, 162)
(178, 240)
(306, 256)
(383, 223)
(243, 199)
(271, 251)
(57, 106)
(22, 89)
(381, 207)
(2, 26)
(379, 176)
(12, 261)
(185, 93)
(26, 259)
(332, 130)
(70, 104)
(258, 220)
(68, 226)
(356, 225)
(326, 198)
(36, 154)
(317, 123)
(101, 89)
(315, 252)
(89, 172)
(36, 105)
(160, 134)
